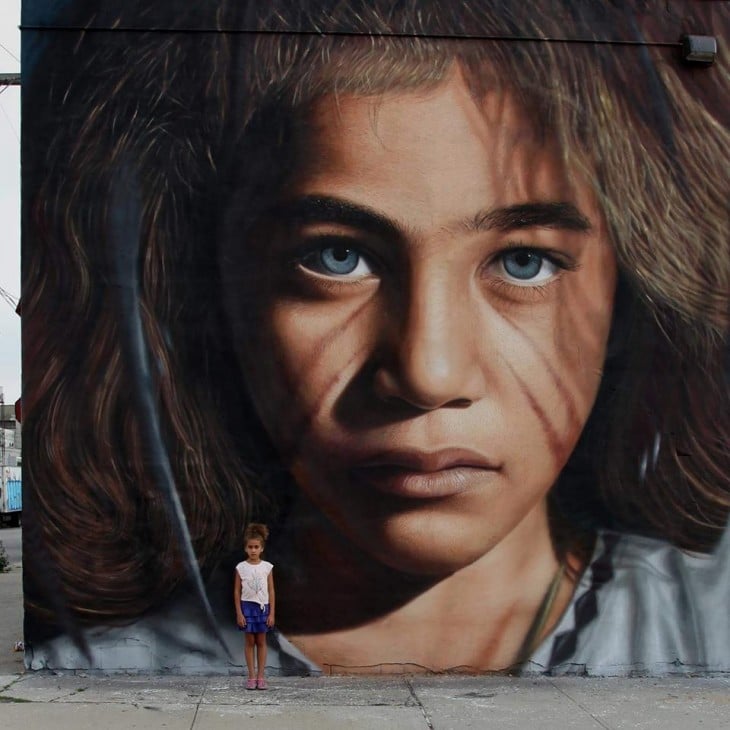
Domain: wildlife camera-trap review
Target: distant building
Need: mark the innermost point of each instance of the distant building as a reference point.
(10, 435)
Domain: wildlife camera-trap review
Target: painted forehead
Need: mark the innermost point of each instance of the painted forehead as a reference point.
(446, 118)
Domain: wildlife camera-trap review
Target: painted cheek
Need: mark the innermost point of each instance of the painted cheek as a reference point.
(584, 324)
(553, 365)
(315, 351)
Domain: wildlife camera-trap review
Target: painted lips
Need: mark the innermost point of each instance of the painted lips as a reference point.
(420, 475)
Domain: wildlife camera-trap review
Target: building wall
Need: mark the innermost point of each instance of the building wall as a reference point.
(10, 436)
(436, 291)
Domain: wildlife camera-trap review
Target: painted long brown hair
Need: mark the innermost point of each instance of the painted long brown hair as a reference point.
(196, 123)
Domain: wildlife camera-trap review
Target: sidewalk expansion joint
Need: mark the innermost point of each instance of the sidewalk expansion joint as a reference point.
(580, 705)
(199, 702)
(10, 698)
(416, 699)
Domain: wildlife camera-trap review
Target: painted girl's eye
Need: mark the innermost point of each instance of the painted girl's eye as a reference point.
(526, 266)
(337, 260)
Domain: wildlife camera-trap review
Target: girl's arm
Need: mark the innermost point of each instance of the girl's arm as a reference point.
(271, 620)
(240, 620)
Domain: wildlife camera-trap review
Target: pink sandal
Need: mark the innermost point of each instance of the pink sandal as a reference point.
(262, 684)
(250, 684)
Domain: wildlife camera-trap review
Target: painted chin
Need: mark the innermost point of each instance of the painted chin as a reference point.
(429, 543)
(426, 524)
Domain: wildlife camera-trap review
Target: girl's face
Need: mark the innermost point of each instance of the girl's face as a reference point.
(426, 322)
(254, 548)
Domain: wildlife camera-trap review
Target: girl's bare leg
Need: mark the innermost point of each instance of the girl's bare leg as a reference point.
(250, 645)
(260, 654)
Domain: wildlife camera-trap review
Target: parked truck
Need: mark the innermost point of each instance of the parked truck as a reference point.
(11, 495)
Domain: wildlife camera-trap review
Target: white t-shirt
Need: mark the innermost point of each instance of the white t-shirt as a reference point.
(255, 581)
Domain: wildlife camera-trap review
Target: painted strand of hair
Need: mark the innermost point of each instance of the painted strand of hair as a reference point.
(450, 317)
(123, 235)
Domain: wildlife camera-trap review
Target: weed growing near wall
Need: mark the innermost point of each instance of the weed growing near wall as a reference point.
(4, 562)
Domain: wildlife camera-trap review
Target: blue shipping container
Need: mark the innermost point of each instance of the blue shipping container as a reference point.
(15, 494)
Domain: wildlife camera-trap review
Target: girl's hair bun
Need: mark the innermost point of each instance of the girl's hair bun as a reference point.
(256, 530)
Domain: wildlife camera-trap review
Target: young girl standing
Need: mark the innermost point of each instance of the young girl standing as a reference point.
(253, 596)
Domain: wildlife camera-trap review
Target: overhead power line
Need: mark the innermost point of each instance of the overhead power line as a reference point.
(9, 298)
(9, 52)
(343, 33)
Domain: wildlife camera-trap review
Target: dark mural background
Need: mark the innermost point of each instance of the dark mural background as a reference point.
(438, 291)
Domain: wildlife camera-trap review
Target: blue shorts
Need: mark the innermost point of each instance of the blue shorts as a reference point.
(255, 617)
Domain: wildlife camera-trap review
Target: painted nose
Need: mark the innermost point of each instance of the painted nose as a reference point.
(432, 357)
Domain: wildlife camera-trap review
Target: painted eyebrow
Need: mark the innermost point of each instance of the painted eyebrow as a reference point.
(326, 209)
(560, 215)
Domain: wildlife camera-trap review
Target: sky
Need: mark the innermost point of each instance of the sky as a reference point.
(9, 200)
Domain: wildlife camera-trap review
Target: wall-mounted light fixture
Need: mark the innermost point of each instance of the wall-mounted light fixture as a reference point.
(699, 49)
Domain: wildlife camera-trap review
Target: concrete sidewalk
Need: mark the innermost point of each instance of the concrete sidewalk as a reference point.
(76, 701)
(11, 620)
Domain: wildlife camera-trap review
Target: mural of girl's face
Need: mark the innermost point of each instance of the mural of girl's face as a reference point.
(433, 297)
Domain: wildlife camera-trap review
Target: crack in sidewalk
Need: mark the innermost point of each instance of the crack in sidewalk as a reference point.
(11, 683)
